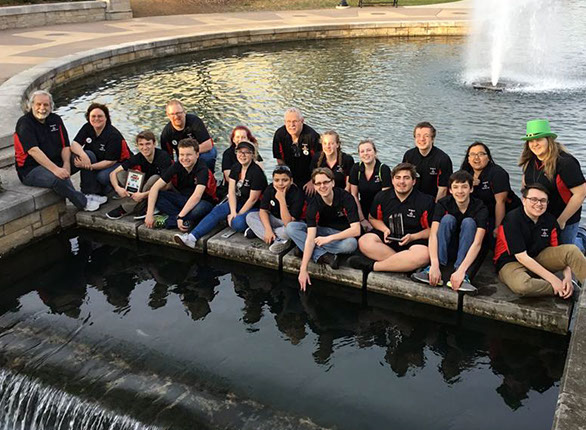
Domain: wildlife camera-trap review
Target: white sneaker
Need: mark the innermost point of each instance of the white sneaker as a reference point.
(280, 245)
(100, 199)
(186, 239)
(91, 206)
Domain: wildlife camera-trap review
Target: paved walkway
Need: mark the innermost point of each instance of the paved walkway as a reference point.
(21, 49)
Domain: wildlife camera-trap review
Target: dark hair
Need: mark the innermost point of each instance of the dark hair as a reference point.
(535, 186)
(322, 171)
(100, 106)
(404, 166)
(283, 170)
(466, 164)
(425, 124)
(189, 143)
(146, 135)
(461, 176)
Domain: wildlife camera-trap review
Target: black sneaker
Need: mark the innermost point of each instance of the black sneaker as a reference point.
(249, 234)
(361, 262)
(116, 213)
(329, 259)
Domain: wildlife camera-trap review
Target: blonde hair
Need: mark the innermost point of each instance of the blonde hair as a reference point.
(554, 148)
(339, 149)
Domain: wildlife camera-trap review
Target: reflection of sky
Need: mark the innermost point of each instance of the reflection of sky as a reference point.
(321, 355)
(377, 88)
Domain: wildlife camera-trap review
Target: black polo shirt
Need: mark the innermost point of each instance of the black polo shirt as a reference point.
(194, 128)
(568, 175)
(476, 210)
(185, 182)
(109, 145)
(341, 171)
(339, 215)
(369, 187)
(294, 197)
(518, 233)
(254, 179)
(161, 162)
(297, 156)
(434, 169)
(50, 137)
(229, 158)
(417, 209)
(494, 180)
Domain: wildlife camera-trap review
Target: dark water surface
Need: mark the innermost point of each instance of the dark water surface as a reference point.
(171, 339)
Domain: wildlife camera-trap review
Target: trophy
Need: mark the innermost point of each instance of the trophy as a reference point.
(134, 181)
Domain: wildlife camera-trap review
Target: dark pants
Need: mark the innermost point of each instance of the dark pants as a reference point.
(43, 178)
(171, 203)
(94, 181)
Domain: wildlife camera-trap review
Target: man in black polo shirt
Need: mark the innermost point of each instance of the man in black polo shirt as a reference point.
(193, 196)
(282, 202)
(433, 165)
(152, 162)
(527, 253)
(401, 208)
(294, 144)
(458, 229)
(181, 126)
(332, 225)
(42, 153)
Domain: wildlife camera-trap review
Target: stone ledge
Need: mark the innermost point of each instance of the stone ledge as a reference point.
(51, 7)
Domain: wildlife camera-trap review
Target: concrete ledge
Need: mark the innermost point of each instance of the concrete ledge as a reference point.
(51, 7)
(97, 220)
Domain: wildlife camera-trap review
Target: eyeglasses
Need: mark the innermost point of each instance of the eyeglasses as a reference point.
(535, 200)
(243, 152)
(319, 184)
(176, 113)
(477, 154)
(281, 169)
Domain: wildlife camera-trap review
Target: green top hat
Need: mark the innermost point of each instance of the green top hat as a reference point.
(538, 128)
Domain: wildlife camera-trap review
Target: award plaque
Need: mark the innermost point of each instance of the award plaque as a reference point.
(134, 181)
(396, 227)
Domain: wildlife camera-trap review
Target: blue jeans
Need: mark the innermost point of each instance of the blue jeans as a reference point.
(210, 158)
(43, 178)
(297, 231)
(568, 235)
(171, 203)
(95, 181)
(218, 214)
(449, 244)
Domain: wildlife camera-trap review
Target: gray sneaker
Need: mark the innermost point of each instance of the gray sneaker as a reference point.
(96, 198)
(280, 245)
(186, 239)
(91, 206)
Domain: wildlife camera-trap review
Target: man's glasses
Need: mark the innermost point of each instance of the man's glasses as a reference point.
(319, 184)
(176, 113)
(535, 200)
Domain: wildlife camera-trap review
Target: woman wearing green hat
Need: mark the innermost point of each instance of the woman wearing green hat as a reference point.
(547, 162)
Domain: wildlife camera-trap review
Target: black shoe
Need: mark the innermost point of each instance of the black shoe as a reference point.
(329, 259)
(116, 213)
(249, 234)
(297, 252)
(362, 263)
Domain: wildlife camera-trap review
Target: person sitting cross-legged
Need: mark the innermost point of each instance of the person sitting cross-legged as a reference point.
(527, 253)
(185, 193)
(401, 208)
(247, 182)
(458, 229)
(282, 202)
(332, 225)
(152, 162)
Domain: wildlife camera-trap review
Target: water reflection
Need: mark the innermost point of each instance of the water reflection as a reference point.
(258, 333)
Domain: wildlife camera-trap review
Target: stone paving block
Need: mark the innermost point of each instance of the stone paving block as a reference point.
(400, 285)
(495, 300)
(14, 205)
(165, 237)
(12, 241)
(21, 223)
(344, 275)
(239, 248)
(46, 229)
(97, 220)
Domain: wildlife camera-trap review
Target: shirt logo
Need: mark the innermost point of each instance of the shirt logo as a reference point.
(410, 213)
(432, 171)
(88, 140)
(545, 232)
(305, 148)
(273, 203)
(53, 127)
(485, 186)
(102, 147)
(174, 142)
(376, 179)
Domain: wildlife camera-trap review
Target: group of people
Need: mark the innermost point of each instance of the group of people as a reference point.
(418, 217)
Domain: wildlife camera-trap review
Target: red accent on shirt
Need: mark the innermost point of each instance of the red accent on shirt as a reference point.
(304, 210)
(379, 213)
(125, 152)
(563, 189)
(281, 151)
(211, 186)
(423, 220)
(62, 137)
(501, 244)
(317, 218)
(20, 154)
(553, 239)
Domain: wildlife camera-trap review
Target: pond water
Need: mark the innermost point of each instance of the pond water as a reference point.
(126, 336)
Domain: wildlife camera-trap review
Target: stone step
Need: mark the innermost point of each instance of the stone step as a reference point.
(6, 157)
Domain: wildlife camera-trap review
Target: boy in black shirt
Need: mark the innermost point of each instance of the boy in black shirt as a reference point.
(433, 165)
(332, 225)
(282, 202)
(152, 162)
(409, 209)
(527, 244)
(194, 195)
(458, 229)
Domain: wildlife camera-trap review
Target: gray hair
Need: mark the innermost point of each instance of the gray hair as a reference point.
(174, 102)
(31, 99)
(295, 111)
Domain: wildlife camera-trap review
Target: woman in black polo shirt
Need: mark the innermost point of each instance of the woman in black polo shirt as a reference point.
(547, 162)
(98, 148)
(491, 184)
(332, 157)
(239, 134)
(367, 178)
